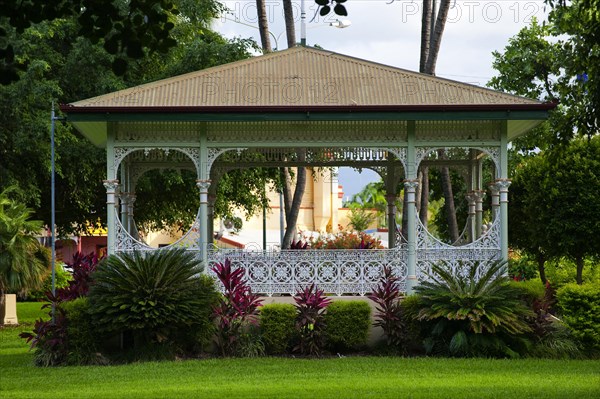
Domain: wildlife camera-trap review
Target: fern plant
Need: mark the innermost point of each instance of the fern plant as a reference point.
(154, 295)
(473, 316)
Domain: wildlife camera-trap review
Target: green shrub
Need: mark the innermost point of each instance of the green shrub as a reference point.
(580, 309)
(524, 267)
(563, 271)
(157, 297)
(529, 291)
(347, 325)
(277, 324)
(83, 339)
(415, 330)
(62, 278)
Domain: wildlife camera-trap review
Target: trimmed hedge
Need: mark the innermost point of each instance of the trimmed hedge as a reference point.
(277, 326)
(530, 290)
(347, 325)
(82, 336)
(580, 308)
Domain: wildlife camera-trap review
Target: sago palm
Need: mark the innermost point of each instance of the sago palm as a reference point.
(156, 295)
(472, 313)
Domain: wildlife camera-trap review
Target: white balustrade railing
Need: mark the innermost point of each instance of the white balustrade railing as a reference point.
(336, 271)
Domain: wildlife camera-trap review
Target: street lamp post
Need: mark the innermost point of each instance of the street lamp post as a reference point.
(53, 119)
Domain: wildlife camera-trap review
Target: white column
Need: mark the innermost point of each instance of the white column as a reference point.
(471, 200)
(131, 228)
(203, 185)
(479, 197)
(503, 185)
(411, 187)
(111, 189)
(495, 199)
(211, 218)
(124, 199)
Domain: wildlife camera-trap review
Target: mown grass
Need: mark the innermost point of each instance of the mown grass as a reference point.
(350, 377)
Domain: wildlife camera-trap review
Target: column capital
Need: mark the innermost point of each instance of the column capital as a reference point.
(411, 185)
(203, 185)
(479, 195)
(111, 185)
(471, 200)
(503, 184)
(494, 189)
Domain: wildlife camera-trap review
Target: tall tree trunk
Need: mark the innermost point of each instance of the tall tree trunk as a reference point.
(286, 182)
(290, 27)
(541, 264)
(424, 208)
(292, 217)
(425, 34)
(449, 200)
(263, 26)
(432, 29)
(436, 37)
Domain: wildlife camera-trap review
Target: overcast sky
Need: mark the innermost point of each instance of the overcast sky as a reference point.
(388, 32)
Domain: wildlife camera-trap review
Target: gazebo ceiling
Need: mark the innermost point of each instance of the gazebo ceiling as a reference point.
(301, 84)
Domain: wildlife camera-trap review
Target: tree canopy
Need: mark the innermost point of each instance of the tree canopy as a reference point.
(554, 202)
(60, 65)
(556, 208)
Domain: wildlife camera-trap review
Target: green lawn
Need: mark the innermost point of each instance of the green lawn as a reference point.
(351, 377)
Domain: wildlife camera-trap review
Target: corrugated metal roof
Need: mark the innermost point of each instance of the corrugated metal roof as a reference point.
(302, 76)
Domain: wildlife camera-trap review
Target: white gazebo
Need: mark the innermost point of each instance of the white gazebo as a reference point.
(310, 107)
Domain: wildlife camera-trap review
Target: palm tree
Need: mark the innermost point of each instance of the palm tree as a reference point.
(372, 196)
(23, 260)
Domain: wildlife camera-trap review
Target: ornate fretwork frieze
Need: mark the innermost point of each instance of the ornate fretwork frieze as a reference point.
(125, 242)
(214, 153)
(320, 156)
(423, 153)
(137, 155)
(458, 130)
(156, 132)
(360, 132)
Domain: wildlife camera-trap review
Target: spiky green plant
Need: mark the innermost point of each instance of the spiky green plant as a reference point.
(473, 314)
(23, 261)
(154, 295)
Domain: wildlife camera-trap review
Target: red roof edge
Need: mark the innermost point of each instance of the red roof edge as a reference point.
(249, 109)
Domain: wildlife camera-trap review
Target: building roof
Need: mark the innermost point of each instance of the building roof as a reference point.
(302, 76)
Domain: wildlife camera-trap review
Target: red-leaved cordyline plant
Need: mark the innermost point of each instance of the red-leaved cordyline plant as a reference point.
(299, 245)
(310, 307)
(386, 296)
(49, 339)
(236, 309)
(83, 266)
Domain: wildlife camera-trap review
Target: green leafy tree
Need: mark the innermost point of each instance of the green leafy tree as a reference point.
(126, 28)
(559, 201)
(61, 65)
(23, 261)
